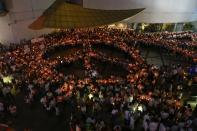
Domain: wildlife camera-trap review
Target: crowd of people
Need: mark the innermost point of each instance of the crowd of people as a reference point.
(181, 44)
(148, 98)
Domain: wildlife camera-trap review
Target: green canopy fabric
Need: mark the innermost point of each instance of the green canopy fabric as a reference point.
(62, 14)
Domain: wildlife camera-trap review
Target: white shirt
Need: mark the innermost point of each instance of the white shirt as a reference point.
(162, 127)
(6, 90)
(126, 115)
(78, 128)
(145, 126)
(30, 86)
(46, 87)
(83, 108)
(132, 122)
(130, 99)
(114, 111)
(153, 126)
(146, 117)
(164, 115)
(57, 111)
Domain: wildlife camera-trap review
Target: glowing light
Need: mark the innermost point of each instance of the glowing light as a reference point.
(140, 108)
(90, 96)
(111, 26)
(7, 79)
(120, 25)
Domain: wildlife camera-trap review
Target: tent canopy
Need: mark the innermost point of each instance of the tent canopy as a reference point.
(62, 14)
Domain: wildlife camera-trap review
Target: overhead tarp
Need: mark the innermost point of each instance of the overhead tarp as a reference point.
(156, 11)
(64, 14)
(167, 11)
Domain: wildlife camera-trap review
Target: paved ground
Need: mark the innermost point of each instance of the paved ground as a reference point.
(36, 118)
